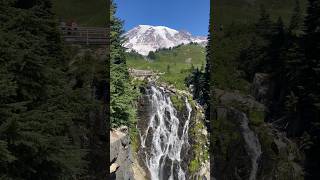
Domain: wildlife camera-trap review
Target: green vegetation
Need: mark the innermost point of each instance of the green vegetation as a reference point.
(280, 39)
(227, 48)
(194, 166)
(46, 98)
(246, 11)
(134, 139)
(178, 102)
(229, 132)
(256, 117)
(277, 163)
(84, 12)
(200, 146)
(290, 54)
(122, 92)
(238, 19)
(175, 63)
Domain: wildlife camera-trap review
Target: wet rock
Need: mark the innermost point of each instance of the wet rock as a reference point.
(166, 169)
(232, 160)
(145, 111)
(149, 138)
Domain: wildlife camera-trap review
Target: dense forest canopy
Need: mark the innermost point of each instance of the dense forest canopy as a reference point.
(46, 96)
(283, 47)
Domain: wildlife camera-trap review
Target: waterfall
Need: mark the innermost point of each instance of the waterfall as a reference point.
(163, 156)
(253, 146)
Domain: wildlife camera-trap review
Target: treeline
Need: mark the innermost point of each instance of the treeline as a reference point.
(153, 54)
(50, 99)
(290, 55)
(122, 92)
(200, 80)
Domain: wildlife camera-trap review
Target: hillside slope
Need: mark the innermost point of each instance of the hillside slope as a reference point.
(176, 63)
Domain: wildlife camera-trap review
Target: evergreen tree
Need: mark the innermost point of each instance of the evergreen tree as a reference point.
(39, 109)
(122, 92)
(168, 68)
(208, 84)
(264, 24)
(152, 55)
(296, 21)
(311, 78)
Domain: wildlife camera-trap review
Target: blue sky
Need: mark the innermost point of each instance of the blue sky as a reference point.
(190, 15)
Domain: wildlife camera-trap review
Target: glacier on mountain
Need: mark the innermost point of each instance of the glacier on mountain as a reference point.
(146, 38)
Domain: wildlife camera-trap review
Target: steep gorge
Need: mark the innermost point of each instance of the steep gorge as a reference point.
(247, 147)
(167, 122)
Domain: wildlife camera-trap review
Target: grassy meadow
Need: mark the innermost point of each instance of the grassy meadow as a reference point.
(175, 63)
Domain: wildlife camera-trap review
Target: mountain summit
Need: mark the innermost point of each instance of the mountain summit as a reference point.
(146, 38)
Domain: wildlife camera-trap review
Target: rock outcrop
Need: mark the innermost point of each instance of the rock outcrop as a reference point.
(194, 154)
(279, 159)
(120, 155)
(262, 88)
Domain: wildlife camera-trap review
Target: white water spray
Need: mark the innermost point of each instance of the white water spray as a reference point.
(166, 143)
(253, 146)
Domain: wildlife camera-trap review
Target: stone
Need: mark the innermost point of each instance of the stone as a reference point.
(114, 167)
(221, 112)
(262, 87)
(123, 129)
(120, 155)
(232, 98)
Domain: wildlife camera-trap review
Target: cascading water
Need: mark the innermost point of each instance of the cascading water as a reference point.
(165, 151)
(253, 146)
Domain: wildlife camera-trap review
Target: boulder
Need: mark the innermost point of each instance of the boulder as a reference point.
(114, 167)
(237, 100)
(120, 155)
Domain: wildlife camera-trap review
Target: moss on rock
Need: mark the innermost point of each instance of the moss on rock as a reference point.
(256, 117)
(178, 102)
(134, 138)
(280, 158)
(198, 140)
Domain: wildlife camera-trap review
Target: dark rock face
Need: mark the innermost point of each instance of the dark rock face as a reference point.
(144, 108)
(120, 155)
(262, 88)
(280, 158)
(231, 158)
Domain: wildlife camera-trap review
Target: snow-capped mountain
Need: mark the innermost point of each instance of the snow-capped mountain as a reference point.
(146, 38)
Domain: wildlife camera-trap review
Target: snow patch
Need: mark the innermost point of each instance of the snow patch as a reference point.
(146, 38)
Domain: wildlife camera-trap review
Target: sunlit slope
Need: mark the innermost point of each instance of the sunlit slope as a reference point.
(175, 63)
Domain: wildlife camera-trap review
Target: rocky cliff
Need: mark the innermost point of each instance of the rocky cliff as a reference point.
(194, 151)
(245, 147)
(120, 155)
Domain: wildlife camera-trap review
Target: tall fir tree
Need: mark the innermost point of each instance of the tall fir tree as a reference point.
(312, 87)
(39, 109)
(122, 92)
(208, 86)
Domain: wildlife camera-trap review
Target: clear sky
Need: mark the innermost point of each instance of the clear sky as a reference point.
(189, 15)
